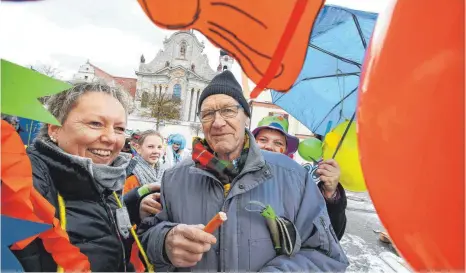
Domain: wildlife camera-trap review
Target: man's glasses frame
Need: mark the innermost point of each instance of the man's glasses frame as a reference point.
(226, 112)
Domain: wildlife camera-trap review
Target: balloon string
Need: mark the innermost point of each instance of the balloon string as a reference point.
(344, 135)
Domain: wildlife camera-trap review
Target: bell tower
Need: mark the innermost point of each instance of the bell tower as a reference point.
(225, 61)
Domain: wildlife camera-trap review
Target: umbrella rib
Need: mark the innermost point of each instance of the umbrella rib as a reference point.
(329, 76)
(361, 35)
(335, 56)
(333, 108)
(344, 135)
(318, 77)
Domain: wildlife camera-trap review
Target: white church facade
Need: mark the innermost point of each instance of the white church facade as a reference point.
(180, 70)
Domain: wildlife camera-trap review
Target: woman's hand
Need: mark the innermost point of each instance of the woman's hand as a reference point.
(329, 171)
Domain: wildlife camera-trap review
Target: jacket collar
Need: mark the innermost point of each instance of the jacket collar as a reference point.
(254, 162)
(73, 176)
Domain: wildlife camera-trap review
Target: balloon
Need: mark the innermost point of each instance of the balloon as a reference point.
(269, 41)
(351, 177)
(411, 130)
(310, 149)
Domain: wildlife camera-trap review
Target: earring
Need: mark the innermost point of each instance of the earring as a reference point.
(53, 139)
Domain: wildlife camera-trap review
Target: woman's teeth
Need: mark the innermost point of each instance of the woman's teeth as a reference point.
(101, 152)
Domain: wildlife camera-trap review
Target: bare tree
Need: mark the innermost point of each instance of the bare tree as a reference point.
(196, 128)
(163, 107)
(47, 70)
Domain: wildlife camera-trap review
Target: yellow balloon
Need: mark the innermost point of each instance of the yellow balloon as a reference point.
(347, 156)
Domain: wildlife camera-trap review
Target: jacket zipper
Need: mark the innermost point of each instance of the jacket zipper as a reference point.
(226, 191)
(327, 231)
(221, 254)
(115, 226)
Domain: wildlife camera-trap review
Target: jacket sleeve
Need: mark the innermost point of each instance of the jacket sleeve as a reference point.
(132, 201)
(317, 248)
(153, 231)
(337, 211)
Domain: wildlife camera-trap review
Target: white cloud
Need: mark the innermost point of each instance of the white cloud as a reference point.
(66, 33)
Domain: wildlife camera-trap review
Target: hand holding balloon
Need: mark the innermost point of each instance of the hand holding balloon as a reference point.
(329, 172)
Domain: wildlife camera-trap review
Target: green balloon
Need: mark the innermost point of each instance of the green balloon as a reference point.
(310, 149)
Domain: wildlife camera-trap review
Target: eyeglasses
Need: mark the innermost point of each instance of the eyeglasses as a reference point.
(225, 112)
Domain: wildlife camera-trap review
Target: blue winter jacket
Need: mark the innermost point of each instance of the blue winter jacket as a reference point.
(193, 196)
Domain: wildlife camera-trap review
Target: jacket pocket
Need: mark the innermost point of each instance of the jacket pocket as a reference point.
(261, 251)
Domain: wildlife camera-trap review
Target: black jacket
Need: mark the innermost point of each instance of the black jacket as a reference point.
(91, 222)
(336, 211)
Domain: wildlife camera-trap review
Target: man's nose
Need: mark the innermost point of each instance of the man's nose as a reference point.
(219, 121)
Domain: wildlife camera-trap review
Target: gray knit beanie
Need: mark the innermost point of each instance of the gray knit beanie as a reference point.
(225, 83)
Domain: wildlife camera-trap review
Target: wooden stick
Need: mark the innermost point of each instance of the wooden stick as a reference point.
(216, 222)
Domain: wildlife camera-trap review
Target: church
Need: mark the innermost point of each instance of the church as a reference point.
(180, 70)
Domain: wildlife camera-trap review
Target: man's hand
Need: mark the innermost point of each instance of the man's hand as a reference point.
(186, 244)
(329, 172)
(151, 203)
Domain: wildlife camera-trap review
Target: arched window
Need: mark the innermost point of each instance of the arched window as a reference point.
(183, 49)
(177, 91)
(225, 67)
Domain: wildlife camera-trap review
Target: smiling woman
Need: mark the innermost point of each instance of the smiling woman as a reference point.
(93, 118)
(78, 168)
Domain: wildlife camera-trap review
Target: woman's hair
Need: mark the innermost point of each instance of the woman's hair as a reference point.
(60, 105)
(145, 134)
(177, 139)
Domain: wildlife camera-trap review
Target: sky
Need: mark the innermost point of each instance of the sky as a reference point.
(111, 34)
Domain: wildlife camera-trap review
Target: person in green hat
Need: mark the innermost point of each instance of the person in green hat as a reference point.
(272, 135)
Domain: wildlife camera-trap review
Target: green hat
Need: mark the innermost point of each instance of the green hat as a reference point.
(280, 124)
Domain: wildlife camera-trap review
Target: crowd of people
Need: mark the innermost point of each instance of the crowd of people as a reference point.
(278, 218)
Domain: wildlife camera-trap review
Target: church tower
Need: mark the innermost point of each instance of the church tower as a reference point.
(225, 61)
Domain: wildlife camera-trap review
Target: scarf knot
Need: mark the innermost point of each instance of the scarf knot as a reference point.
(224, 170)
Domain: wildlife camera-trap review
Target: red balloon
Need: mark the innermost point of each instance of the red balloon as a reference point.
(411, 130)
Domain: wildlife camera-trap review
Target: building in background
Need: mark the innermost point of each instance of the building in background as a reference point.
(181, 69)
(89, 73)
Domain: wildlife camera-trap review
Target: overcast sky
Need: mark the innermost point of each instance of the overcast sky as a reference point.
(112, 34)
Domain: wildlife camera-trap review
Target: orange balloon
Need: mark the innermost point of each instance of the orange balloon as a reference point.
(268, 39)
(411, 134)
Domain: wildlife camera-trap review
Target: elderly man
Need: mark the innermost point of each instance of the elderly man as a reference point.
(227, 172)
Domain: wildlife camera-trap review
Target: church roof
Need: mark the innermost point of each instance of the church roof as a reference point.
(129, 84)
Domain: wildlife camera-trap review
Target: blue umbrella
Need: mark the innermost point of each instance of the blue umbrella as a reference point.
(325, 92)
